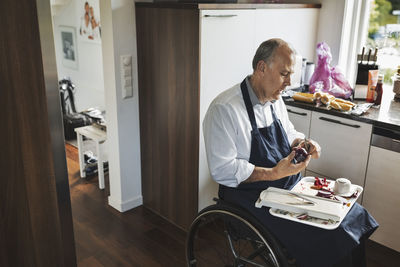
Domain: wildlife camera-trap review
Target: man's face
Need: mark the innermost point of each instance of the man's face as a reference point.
(276, 76)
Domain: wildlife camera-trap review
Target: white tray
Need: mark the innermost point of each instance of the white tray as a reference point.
(325, 214)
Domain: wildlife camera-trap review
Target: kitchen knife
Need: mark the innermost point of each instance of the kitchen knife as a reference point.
(375, 57)
(362, 55)
(369, 55)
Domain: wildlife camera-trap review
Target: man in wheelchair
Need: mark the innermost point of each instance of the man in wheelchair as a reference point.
(249, 143)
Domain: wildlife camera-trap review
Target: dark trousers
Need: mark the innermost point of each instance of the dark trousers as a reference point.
(356, 258)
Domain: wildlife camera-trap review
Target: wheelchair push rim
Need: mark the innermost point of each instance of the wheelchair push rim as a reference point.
(220, 236)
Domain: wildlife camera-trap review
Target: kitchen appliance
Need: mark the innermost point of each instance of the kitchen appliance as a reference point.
(310, 67)
(295, 78)
(381, 196)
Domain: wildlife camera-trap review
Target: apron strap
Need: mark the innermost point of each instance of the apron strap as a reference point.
(274, 117)
(248, 104)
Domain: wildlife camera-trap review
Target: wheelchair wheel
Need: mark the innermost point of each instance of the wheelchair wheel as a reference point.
(222, 235)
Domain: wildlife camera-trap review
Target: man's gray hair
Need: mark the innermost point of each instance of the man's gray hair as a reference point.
(266, 51)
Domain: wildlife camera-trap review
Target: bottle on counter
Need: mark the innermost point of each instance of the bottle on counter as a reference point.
(372, 81)
(396, 84)
(378, 90)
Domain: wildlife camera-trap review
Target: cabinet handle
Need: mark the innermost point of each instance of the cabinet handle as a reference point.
(339, 122)
(298, 113)
(220, 16)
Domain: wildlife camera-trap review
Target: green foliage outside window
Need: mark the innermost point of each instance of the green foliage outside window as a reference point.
(378, 36)
(381, 14)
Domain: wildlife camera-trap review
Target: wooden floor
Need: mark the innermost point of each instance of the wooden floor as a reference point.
(106, 237)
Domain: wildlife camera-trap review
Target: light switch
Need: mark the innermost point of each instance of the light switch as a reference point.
(126, 76)
(126, 71)
(126, 60)
(127, 91)
(127, 82)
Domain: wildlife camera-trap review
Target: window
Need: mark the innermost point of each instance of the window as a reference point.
(384, 33)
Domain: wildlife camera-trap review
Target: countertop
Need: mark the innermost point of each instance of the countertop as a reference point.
(387, 115)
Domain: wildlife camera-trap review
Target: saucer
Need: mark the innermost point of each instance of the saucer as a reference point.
(349, 193)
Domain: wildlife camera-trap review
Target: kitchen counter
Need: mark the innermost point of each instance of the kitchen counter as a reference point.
(387, 115)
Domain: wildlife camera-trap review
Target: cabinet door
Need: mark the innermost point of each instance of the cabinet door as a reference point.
(344, 144)
(297, 26)
(300, 118)
(381, 195)
(226, 51)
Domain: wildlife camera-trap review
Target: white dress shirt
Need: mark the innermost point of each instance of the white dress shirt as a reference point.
(227, 133)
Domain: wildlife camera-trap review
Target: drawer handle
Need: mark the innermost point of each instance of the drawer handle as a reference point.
(298, 113)
(339, 122)
(220, 16)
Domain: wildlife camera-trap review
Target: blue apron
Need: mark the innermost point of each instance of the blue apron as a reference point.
(309, 245)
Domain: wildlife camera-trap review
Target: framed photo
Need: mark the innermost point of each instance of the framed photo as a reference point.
(68, 46)
(89, 27)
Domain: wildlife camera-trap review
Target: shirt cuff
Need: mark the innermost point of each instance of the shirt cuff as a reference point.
(244, 170)
(295, 135)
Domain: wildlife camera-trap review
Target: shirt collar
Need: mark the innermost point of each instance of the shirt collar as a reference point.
(253, 98)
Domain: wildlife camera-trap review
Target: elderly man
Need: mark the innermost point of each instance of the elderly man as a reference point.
(249, 141)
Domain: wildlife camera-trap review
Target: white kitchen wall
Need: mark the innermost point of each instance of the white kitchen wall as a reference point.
(88, 77)
(343, 25)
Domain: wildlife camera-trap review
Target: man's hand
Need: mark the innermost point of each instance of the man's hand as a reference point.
(286, 167)
(311, 146)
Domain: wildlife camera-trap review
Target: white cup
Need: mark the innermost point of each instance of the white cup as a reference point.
(342, 186)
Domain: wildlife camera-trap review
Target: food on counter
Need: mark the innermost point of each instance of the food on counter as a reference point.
(301, 154)
(331, 101)
(340, 106)
(326, 99)
(304, 97)
(345, 102)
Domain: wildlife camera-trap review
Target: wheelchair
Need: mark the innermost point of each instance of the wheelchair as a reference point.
(224, 234)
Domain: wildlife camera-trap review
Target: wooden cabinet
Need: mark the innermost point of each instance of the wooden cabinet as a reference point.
(345, 147)
(187, 55)
(168, 71)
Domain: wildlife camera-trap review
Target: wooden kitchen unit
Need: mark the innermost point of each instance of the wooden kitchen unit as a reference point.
(187, 55)
(168, 64)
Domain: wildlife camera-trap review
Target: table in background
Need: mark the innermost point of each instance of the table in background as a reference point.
(99, 136)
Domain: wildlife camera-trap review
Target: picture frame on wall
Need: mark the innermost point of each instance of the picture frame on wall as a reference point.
(69, 47)
(89, 27)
